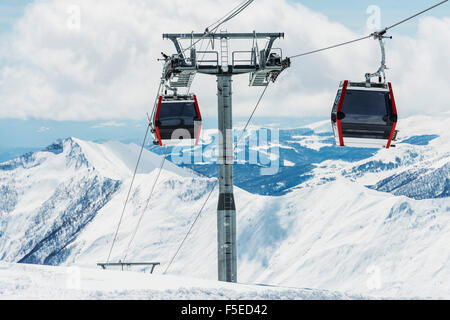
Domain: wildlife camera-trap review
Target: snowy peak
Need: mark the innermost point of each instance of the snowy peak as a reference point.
(118, 161)
(51, 195)
(48, 197)
(65, 153)
(111, 159)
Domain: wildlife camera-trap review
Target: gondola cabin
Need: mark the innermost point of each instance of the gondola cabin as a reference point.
(364, 116)
(177, 120)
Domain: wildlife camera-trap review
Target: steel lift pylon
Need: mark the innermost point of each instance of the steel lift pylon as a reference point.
(263, 66)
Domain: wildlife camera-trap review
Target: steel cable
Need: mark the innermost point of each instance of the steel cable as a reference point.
(128, 195)
(214, 186)
(369, 36)
(146, 206)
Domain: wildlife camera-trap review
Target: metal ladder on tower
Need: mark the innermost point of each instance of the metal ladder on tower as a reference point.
(224, 51)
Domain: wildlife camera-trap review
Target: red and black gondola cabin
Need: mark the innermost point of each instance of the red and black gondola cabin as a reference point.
(364, 116)
(177, 119)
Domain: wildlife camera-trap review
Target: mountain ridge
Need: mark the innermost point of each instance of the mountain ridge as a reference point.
(62, 205)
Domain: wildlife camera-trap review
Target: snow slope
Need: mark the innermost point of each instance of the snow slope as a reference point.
(60, 283)
(365, 222)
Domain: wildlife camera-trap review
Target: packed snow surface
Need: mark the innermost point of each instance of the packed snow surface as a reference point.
(20, 281)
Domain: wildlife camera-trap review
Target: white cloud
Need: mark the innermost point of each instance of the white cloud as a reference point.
(43, 129)
(107, 68)
(108, 124)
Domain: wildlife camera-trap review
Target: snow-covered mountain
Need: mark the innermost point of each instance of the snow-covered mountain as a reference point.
(372, 222)
(308, 156)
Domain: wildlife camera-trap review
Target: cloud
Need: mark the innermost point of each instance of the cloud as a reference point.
(43, 129)
(108, 124)
(106, 67)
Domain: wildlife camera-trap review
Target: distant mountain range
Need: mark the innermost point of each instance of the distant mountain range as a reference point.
(373, 222)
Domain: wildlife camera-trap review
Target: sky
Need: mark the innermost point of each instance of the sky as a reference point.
(10, 12)
(351, 13)
(69, 66)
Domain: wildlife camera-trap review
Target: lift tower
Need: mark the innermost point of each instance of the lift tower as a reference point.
(263, 66)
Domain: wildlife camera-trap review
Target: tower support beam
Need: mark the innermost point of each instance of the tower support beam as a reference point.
(226, 209)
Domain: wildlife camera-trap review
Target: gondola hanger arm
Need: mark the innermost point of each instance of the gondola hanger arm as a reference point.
(380, 73)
